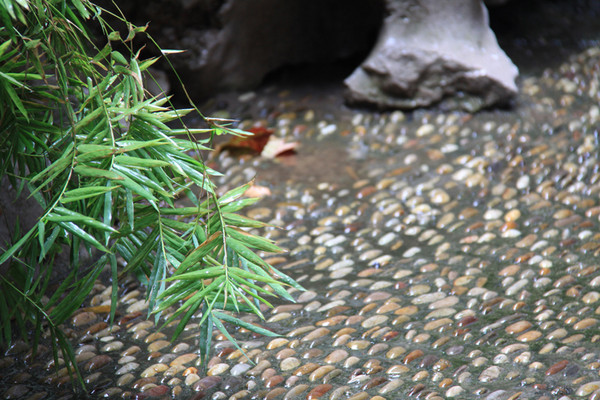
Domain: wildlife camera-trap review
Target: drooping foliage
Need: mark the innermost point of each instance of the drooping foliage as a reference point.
(84, 138)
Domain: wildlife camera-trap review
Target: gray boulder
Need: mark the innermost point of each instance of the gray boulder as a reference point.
(434, 52)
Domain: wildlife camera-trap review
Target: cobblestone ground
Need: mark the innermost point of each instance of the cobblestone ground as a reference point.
(444, 255)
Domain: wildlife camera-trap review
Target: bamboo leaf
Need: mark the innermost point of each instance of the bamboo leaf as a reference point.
(97, 172)
(253, 241)
(15, 247)
(206, 329)
(241, 221)
(205, 273)
(287, 280)
(62, 214)
(199, 252)
(114, 294)
(222, 329)
(85, 193)
(245, 252)
(243, 324)
(77, 231)
(250, 275)
(234, 194)
(139, 190)
(129, 207)
(142, 252)
(140, 162)
(237, 205)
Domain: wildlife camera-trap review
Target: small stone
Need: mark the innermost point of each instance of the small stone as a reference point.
(336, 356)
(132, 366)
(320, 372)
(289, 363)
(183, 359)
(529, 336)
(217, 369)
(374, 321)
(84, 318)
(490, 374)
(153, 370)
(319, 391)
(454, 391)
(588, 388)
(557, 367)
(518, 327)
(391, 386)
(397, 370)
(295, 392)
(16, 391)
(97, 362)
(240, 369)
(585, 323)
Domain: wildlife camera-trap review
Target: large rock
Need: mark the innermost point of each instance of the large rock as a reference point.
(434, 52)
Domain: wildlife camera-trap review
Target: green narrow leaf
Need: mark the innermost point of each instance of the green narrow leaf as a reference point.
(205, 336)
(199, 296)
(89, 117)
(54, 169)
(237, 205)
(142, 253)
(246, 253)
(222, 329)
(114, 294)
(253, 241)
(199, 252)
(204, 273)
(140, 162)
(238, 322)
(50, 241)
(186, 318)
(62, 214)
(68, 356)
(12, 249)
(139, 190)
(241, 221)
(118, 57)
(276, 286)
(81, 8)
(4, 46)
(156, 283)
(288, 280)
(234, 194)
(250, 275)
(41, 238)
(85, 193)
(129, 207)
(97, 172)
(107, 212)
(77, 231)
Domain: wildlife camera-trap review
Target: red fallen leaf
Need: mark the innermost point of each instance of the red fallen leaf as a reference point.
(276, 147)
(255, 143)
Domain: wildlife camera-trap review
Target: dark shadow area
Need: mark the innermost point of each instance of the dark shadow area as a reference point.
(539, 34)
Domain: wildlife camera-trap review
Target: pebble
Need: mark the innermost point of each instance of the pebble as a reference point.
(289, 363)
(490, 374)
(296, 391)
(240, 369)
(587, 389)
